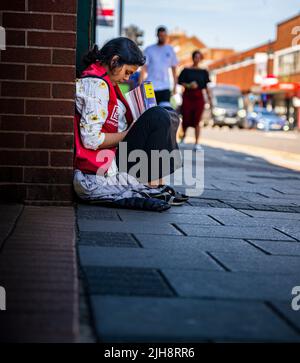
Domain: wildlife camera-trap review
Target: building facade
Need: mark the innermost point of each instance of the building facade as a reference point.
(184, 47)
(271, 70)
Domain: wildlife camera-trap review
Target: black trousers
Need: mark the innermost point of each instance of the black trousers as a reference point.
(154, 130)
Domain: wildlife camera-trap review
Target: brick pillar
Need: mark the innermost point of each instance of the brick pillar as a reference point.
(37, 75)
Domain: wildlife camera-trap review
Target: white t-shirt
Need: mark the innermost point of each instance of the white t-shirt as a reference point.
(159, 60)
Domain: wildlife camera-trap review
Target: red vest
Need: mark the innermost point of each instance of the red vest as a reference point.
(93, 161)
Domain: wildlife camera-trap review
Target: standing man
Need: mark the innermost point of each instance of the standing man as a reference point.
(160, 58)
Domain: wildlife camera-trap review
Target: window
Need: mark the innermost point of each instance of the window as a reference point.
(289, 63)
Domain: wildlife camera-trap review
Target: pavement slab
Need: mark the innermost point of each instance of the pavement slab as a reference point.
(152, 320)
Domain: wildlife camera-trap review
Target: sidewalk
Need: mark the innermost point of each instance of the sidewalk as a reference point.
(38, 270)
(219, 269)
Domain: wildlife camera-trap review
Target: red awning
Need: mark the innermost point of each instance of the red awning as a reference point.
(290, 88)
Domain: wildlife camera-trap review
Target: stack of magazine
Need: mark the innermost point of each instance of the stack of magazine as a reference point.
(141, 99)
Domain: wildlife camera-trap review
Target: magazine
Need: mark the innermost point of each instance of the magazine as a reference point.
(141, 99)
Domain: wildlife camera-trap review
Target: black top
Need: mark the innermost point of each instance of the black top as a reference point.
(188, 75)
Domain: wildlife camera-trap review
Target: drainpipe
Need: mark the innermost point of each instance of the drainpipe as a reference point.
(121, 9)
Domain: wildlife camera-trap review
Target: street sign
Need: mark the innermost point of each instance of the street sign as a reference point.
(106, 13)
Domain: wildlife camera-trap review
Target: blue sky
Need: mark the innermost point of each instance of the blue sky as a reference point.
(238, 24)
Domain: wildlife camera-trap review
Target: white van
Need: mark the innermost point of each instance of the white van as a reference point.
(228, 107)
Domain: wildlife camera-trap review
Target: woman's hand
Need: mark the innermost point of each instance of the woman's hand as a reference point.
(194, 85)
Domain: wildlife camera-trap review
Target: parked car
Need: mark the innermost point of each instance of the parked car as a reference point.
(228, 107)
(262, 119)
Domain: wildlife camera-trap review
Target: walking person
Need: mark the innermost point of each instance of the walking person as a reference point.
(160, 58)
(194, 80)
(104, 121)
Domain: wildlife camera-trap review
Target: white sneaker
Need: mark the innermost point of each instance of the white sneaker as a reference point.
(198, 147)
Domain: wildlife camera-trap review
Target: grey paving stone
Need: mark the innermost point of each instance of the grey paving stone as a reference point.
(279, 248)
(140, 257)
(232, 285)
(138, 319)
(94, 212)
(240, 205)
(196, 243)
(128, 227)
(286, 209)
(234, 232)
(255, 206)
(291, 231)
(126, 281)
(107, 239)
(247, 221)
(206, 203)
(204, 211)
(228, 195)
(286, 310)
(168, 218)
(285, 200)
(276, 215)
(259, 263)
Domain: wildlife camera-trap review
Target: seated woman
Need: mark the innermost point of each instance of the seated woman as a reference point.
(103, 124)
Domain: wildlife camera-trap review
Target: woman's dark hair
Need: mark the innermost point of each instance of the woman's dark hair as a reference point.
(125, 49)
(196, 52)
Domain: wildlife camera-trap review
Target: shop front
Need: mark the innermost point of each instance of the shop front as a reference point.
(284, 99)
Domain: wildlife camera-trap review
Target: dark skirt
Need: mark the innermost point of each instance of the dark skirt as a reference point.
(192, 108)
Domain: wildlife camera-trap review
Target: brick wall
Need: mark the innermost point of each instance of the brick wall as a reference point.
(37, 74)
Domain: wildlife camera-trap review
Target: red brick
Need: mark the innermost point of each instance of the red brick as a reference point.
(62, 124)
(50, 192)
(8, 71)
(51, 39)
(24, 158)
(27, 21)
(64, 57)
(44, 141)
(11, 174)
(18, 5)
(48, 175)
(25, 123)
(15, 37)
(63, 91)
(12, 140)
(61, 158)
(26, 55)
(24, 89)
(51, 73)
(53, 6)
(11, 105)
(64, 22)
(51, 108)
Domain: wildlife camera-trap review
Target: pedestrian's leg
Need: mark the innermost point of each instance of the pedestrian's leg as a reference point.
(197, 133)
(197, 114)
